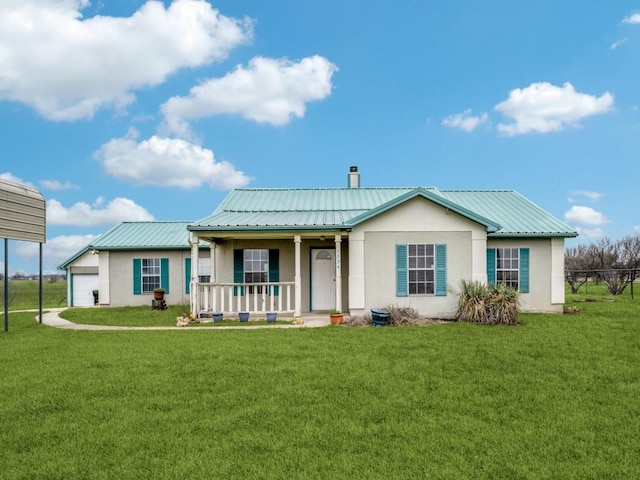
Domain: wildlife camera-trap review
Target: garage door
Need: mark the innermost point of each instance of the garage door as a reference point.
(83, 286)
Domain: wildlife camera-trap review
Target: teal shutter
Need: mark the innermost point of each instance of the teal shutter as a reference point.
(164, 274)
(238, 270)
(402, 280)
(137, 276)
(274, 269)
(524, 270)
(491, 266)
(441, 270)
(187, 275)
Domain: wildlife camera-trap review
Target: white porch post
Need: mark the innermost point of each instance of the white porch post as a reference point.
(298, 278)
(212, 274)
(193, 286)
(338, 273)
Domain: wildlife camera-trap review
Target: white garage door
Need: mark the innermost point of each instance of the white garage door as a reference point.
(83, 286)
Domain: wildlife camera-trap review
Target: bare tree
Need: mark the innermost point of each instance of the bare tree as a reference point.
(578, 266)
(616, 262)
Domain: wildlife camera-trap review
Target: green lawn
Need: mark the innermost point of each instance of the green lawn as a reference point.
(554, 398)
(25, 294)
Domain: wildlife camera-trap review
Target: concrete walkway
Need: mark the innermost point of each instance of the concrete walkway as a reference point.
(52, 318)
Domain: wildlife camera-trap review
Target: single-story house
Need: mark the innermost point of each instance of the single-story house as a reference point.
(348, 249)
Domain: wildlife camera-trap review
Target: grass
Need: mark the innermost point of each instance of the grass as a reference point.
(147, 317)
(553, 398)
(24, 294)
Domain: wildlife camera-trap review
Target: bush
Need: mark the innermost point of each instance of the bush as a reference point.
(492, 304)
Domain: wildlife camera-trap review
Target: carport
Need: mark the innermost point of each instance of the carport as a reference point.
(22, 217)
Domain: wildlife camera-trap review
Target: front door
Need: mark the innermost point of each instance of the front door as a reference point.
(323, 278)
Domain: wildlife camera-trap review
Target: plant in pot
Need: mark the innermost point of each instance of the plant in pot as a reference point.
(158, 293)
(336, 317)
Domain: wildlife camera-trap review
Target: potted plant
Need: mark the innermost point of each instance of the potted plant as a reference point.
(336, 317)
(271, 317)
(217, 316)
(158, 293)
(243, 316)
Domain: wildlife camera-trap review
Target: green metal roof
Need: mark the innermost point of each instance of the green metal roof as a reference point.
(502, 212)
(517, 215)
(156, 235)
(139, 236)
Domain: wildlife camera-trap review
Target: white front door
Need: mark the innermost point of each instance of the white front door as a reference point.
(323, 278)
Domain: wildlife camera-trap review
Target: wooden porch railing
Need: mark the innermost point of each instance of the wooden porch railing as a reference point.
(246, 297)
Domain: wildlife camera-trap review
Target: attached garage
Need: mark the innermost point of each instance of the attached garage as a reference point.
(82, 289)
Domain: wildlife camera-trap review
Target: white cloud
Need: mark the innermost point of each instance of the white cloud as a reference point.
(637, 228)
(585, 216)
(266, 91)
(82, 214)
(67, 67)
(632, 19)
(543, 107)
(57, 185)
(618, 43)
(54, 252)
(590, 232)
(167, 162)
(465, 121)
(12, 178)
(593, 196)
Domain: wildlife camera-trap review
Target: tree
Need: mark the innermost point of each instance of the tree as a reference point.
(616, 262)
(578, 266)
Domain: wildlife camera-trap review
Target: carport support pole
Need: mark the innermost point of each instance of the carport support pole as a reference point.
(40, 295)
(6, 284)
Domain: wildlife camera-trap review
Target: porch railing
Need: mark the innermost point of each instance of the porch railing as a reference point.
(246, 297)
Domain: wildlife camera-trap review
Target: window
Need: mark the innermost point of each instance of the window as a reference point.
(421, 269)
(509, 266)
(204, 270)
(256, 266)
(150, 273)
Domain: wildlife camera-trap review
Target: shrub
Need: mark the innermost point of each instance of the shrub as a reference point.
(493, 304)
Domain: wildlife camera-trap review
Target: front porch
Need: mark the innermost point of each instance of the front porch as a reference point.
(289, 274)
(255, 298)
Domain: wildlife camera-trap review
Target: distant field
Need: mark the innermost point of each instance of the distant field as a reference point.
(24, 294)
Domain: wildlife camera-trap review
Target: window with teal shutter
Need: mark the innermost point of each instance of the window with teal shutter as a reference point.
(187, 275)
(137, 276)
(491, 266)
(274, 269)
(238, 271)
(524, 270)
(509, 266)
(164, 274)
(402, 280)
(441, 270)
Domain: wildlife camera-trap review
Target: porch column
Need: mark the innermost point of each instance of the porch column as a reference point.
(212, 274)
(298, 278)
(338, 273)
(193, 286)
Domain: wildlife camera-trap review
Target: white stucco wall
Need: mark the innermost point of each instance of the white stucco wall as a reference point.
(546, 267)
(120, 271)
(372, 282)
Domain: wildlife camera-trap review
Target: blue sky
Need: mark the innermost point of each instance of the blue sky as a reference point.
(131, 110)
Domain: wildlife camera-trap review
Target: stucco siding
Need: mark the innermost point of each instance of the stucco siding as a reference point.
(418, 221)
(540, 273)
(121, 277)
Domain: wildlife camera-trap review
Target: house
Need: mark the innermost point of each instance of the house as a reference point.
(126, 263)
(348, 249)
